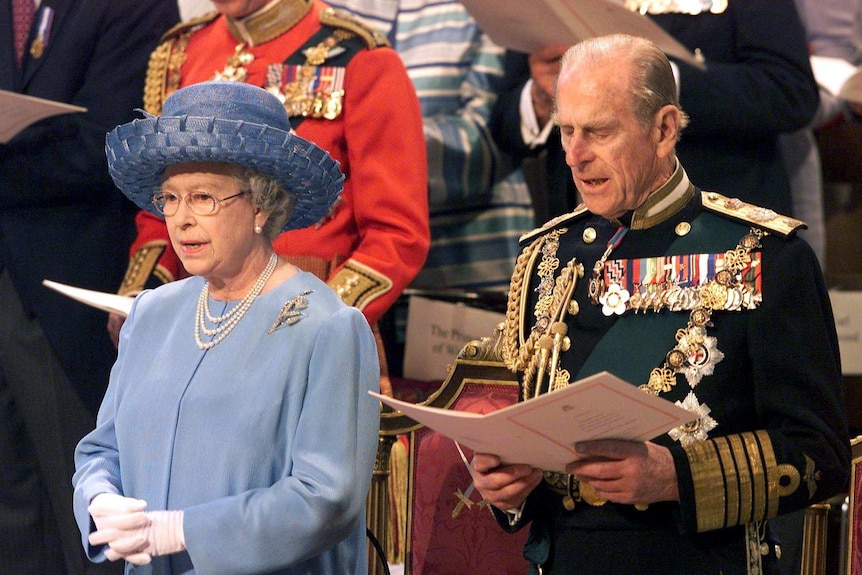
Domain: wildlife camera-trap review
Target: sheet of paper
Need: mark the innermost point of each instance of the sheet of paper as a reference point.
(436, 332)
(514, 25)
(831, 73)
(543, 431)
(109, 302)
(17, 111)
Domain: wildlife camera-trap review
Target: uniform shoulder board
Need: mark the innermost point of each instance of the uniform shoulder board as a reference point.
(572, 216)
(339, 19)
(190, 24)
(746, 213)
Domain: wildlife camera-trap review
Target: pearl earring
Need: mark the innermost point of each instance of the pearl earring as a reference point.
(258, 229)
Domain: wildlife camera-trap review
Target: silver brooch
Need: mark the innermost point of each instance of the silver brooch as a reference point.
(291, 312)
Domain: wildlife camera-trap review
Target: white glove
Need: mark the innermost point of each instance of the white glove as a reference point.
(133, 534)
(108, 504)
(118, 520)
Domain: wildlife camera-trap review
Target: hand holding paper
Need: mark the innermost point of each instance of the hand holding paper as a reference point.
(504, 487)
(546, 22)
(627, 472)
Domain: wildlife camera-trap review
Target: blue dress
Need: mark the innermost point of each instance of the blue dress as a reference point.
(266, 441)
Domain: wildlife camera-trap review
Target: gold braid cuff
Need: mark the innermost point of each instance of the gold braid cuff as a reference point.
(736, 479)
(358, 285)
(144, 263)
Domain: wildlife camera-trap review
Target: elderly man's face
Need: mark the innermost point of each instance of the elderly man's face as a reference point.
(239, 8)
(215, 246)
(616, 161)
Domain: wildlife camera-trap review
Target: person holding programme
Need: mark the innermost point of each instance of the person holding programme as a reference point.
(236, 434)
(757, 84)
(697, 297)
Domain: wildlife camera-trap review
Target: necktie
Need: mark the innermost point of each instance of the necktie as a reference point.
(23, 12)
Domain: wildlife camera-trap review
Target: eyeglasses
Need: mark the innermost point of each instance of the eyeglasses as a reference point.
(200, 203)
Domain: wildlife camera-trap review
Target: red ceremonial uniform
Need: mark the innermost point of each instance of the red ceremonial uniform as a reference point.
(377, 234)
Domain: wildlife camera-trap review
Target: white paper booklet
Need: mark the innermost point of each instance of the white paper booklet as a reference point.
(839, 77)
(110, 302)
(543, 431)
(527, 27)
(17, 111)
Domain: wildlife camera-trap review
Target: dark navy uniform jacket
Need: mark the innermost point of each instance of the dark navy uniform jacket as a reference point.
(780, 443)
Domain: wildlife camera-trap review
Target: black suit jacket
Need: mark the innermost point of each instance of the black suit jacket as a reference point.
(61, 217)
(757, 84)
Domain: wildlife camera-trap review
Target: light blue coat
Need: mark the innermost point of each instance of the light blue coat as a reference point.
(267, 441)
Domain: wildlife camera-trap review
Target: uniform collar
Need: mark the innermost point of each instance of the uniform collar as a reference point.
(269, 22)
(663, 203)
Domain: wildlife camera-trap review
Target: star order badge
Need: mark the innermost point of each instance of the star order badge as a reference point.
(698, 429)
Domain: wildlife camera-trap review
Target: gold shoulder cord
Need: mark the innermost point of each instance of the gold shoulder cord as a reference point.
(163, 71)
(540, 353)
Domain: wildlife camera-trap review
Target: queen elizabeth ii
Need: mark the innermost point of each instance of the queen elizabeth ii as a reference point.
(236, 434)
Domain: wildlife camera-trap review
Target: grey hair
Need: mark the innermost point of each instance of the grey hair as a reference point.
(651, 85)
(270, 196)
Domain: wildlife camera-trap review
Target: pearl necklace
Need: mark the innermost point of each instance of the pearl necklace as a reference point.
(226, 323)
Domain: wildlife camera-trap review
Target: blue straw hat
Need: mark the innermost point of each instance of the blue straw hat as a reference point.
(230, 122)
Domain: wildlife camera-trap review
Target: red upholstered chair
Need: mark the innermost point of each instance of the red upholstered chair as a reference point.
(815, 530)
(450, 528)
(854, 511)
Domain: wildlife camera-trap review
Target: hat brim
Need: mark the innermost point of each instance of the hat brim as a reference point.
(139, 151)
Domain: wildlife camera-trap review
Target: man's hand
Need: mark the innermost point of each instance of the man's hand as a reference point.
(627, 471)
(503, 486)
(544, 68)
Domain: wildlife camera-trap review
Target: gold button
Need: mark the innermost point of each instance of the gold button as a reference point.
(568, 503)
(682, 228)
(574, 308)
(589, 235)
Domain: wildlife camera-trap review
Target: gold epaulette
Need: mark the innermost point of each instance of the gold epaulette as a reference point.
(338, 19)
(189, 24)
(750, 214)
(165, 59)
(553, 223)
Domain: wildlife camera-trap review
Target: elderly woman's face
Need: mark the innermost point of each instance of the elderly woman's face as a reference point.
(215, 246)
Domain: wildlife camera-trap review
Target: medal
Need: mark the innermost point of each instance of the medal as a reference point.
(43, 32)
(37, 48)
